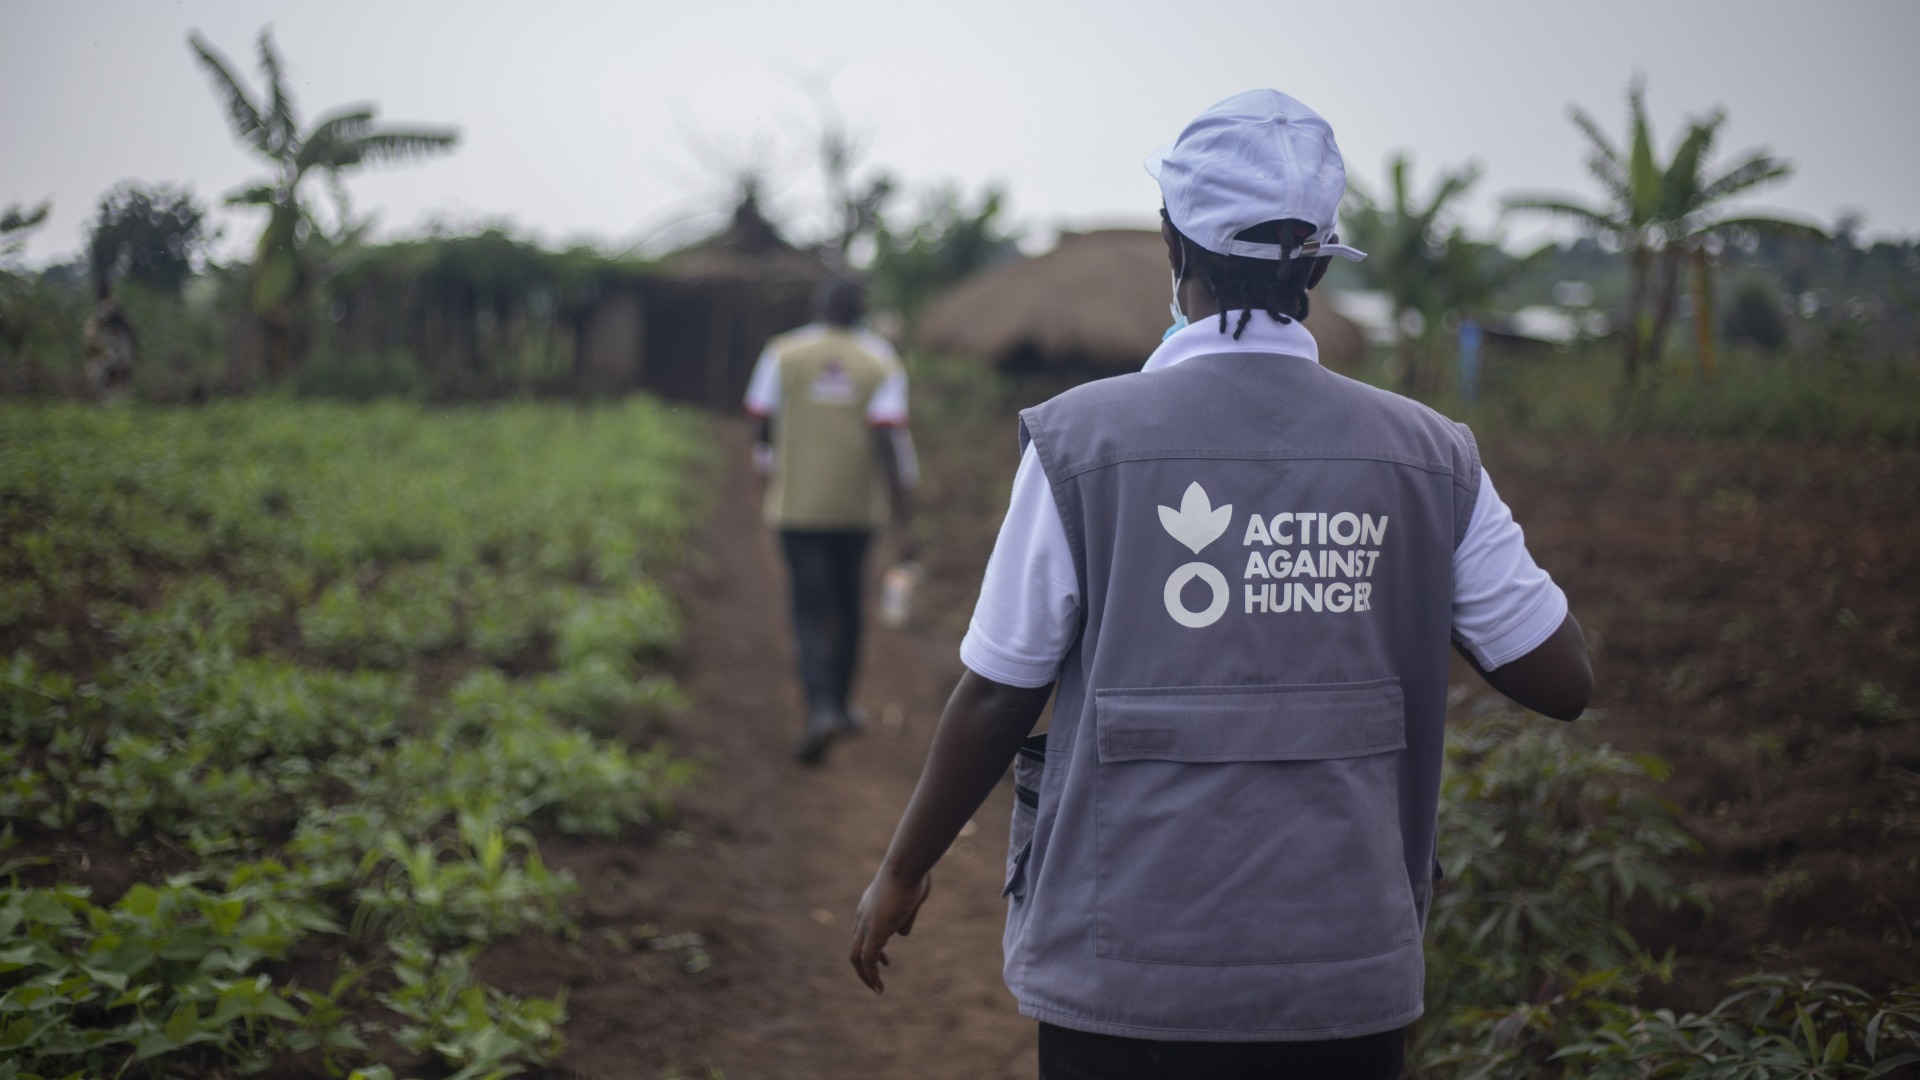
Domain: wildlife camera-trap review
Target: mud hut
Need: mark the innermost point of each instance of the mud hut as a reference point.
(1096, 304)
(693, 326)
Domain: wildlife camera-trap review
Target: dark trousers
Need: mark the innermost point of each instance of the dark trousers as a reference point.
(1066, 1054)
(825, 572)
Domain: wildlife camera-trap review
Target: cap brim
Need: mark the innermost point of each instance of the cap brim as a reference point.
(1156, 160)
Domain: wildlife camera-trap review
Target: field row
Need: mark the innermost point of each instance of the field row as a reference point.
(315, 677)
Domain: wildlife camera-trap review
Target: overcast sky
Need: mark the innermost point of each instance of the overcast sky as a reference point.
(609, 122)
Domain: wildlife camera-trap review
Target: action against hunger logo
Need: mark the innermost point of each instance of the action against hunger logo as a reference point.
(1311, 561)
(1196, 524)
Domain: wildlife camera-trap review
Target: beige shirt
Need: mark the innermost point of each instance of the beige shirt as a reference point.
(826, 388)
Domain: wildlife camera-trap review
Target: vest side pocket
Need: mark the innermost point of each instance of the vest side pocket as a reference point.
(1029, 765)
(1250, 824)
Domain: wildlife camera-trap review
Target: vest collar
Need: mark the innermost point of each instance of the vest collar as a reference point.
(1262, 335)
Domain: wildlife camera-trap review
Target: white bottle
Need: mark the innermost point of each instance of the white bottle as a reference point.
(896, 594)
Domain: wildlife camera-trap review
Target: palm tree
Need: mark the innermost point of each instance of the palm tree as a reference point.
(1412, 260)
(16, 221)
(344, 139)
(1690, 211)
(1661, 217)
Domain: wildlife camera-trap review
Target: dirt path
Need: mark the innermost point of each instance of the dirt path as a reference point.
(766, 861)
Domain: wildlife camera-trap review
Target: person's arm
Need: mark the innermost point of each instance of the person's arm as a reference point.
(1510, 621)
(977, 738)
(763, 398)
(1554, 679)
(899, 495)
(887, 414)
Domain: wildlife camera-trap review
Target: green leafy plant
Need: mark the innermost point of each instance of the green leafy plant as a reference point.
(484, 1032)
(160, 970)
(1770, 1026)
(487, 884)
(261, 636)
(1530, 975)
(640, 620)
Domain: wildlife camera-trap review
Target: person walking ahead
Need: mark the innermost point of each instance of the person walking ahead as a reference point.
(1240, 573)
(832, 402)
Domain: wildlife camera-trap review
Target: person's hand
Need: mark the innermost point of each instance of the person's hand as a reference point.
(887, 909)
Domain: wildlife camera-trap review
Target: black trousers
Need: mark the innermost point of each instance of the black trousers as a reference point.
(1066, 1054)
(825, 570)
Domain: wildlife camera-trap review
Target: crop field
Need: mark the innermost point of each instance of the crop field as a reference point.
(288, 692)
(337, 747)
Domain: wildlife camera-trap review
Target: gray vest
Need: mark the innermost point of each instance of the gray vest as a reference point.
(1228, 832)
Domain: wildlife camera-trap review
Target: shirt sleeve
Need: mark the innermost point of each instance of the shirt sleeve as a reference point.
(763, 389)
(877, 345)
(888, 406)
(1028, 615)
(1504, 605)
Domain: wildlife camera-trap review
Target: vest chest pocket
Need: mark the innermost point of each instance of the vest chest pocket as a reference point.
(1250, 825)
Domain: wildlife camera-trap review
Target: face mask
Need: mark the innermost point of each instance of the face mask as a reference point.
(1173, 306)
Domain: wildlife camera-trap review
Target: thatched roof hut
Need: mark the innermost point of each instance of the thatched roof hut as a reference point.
(692, 328)
(1097, 302)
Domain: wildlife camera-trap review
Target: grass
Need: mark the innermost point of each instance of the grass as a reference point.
(1755, 395)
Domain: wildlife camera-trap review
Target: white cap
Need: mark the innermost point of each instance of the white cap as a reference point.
(1258, 156)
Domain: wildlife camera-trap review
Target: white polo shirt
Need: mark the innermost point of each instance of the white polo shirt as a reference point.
(1028, 615)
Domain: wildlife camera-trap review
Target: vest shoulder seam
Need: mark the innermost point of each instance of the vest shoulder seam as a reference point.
(1077, 469)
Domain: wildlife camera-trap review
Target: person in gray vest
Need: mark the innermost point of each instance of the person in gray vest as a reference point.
(1240, 573)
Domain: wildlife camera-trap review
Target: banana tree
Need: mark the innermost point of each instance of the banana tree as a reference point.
(269, 125)
(1691, 205)
(1411, 258)
(1666, 220)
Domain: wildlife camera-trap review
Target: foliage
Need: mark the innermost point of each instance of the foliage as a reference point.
(15, 222)
(150, 235)
(1763, 396)
(1423, 259)
(340, 141)
(481, 1029)
(1668, 219)
(456, 316)
(161, 970)
(216, 622)
(1754, 318)
(945, 243)
(1541, 840)
(1770, 1026)
(1531, 976)
(460, 891)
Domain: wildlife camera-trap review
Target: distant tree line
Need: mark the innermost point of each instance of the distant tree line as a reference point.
(318, 305)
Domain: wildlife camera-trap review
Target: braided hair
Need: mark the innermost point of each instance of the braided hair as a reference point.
(1240, 283)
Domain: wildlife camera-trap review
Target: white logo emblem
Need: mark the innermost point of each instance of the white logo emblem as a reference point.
(1196, 524)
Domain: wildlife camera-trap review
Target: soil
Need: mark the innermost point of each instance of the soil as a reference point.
(1754, 615)
(1751, 610)
(718, 947)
